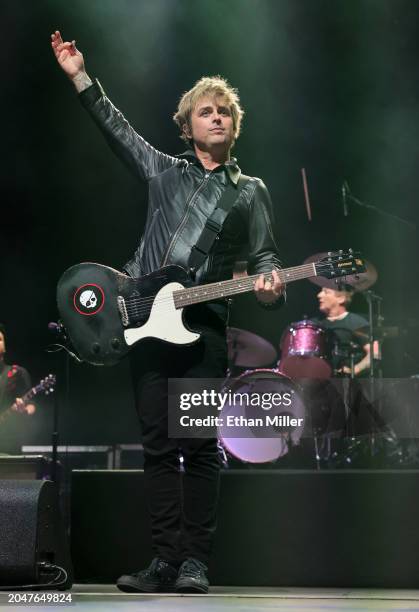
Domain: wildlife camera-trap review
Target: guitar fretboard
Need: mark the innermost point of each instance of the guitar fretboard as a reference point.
(227, 288)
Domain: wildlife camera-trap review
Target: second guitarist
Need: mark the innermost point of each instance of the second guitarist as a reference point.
(183, 193)
(14, 383)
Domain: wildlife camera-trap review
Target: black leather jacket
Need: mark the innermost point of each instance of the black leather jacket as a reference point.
(182, 195)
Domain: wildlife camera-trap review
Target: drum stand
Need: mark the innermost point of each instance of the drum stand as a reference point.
(372, 298)
(371, 405)
(376, 371)
(327, 455)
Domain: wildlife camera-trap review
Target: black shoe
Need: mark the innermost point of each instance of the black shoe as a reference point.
(192, 577)
(159, 577)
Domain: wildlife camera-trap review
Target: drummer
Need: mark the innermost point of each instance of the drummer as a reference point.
(350, 342)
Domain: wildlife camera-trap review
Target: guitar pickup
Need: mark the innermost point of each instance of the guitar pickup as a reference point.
(123, 311)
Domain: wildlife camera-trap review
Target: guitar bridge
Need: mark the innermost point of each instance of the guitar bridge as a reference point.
(123, 311)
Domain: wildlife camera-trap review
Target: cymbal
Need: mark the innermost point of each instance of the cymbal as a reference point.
(358, 282)
(380, 333)
(248, 350)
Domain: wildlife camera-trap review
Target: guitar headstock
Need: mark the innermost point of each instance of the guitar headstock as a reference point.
(46, 385)
(339, 264)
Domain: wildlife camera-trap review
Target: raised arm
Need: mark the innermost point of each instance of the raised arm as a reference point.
(71, 61)
(137, 154)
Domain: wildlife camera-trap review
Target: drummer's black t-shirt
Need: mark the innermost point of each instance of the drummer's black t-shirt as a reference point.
(343, 339)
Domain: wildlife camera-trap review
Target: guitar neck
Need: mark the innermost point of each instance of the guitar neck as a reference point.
(29, 395)
(227, 288)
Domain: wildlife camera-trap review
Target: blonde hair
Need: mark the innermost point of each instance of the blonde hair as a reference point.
(215, 86)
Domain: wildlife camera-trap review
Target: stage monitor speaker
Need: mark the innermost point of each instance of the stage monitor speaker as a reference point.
(24, 467)
(33, 545)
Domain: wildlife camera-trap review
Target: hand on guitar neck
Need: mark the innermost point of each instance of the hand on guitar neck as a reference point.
(268, 291)
(19, 405)
(25, 404)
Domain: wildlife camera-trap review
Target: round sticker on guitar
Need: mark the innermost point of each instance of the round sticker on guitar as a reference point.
(89, 299)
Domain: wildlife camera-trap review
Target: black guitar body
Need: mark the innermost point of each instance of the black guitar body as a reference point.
(89, 301)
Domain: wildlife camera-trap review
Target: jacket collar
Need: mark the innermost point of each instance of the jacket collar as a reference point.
(233, 170)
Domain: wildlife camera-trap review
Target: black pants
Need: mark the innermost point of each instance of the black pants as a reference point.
(182, 507)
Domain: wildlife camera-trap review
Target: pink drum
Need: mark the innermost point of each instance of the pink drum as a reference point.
(250, 443)
(304, 351)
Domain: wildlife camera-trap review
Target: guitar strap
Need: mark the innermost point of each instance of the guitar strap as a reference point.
(214, 224)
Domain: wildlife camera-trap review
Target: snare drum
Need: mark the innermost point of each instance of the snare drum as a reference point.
(305, 351)
(253, 444)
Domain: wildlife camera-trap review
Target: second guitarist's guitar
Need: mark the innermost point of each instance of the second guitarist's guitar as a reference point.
(106, 312)
(46, 386)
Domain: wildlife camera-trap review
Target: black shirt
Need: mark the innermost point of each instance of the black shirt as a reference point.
(342, 339)
(14, 382)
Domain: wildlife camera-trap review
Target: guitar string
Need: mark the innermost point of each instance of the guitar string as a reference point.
(203, 293)
(141, 306)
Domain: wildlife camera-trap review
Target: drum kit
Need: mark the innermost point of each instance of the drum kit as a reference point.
(307, 359)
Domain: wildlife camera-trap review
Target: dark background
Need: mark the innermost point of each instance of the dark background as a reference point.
(328, 85)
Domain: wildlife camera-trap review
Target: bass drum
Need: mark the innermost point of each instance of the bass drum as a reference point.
(305, 351)
(253, 443)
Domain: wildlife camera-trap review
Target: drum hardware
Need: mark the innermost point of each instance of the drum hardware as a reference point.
(252, 448)
(316, 451)
(302, 345)
(358, 452)
(324, 456)
(341, 354)
(374, 333)
(248, 350)
(304, 351)
(374, 406)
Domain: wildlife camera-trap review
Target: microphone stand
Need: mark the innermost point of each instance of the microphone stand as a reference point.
(372, 298)
(384, 213)
(369, 295)
(54, 440)
(63, 394)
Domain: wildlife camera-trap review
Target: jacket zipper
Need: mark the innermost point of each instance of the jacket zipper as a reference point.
(183, 221)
